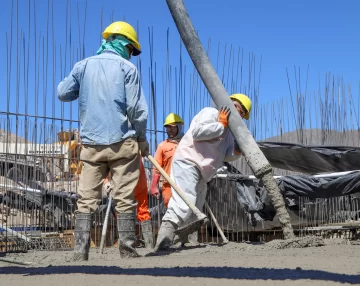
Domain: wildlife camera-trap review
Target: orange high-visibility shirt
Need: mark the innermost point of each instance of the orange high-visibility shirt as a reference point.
(164, 154)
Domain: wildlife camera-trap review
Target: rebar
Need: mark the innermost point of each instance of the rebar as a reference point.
(40, 199)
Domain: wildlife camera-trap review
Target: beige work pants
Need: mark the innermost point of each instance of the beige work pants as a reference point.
(122, 159)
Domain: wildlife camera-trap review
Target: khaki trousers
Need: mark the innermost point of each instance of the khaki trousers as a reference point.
(123, 161)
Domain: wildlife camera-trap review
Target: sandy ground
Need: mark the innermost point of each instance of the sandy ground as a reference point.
(336, 263)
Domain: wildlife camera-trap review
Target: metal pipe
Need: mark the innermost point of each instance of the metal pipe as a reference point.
(253, 155)
(18, 234)
(327, 175)
(15, 262)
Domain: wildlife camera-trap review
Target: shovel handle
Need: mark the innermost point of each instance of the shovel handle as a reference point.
(104, 229)
(193, 208)
(216, 223)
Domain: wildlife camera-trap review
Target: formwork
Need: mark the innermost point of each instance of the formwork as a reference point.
(27, 226)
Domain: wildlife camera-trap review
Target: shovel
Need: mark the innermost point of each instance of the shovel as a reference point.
(104, 229)
(201, 218)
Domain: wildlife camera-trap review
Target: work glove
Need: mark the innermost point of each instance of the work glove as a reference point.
(144, 148)
(237, 150)
(154, 190)
(107, 186)
(224, 114)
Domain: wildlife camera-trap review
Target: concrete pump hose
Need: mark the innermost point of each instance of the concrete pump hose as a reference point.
(253, 155)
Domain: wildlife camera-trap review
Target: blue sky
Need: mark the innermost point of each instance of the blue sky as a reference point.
(321, 35)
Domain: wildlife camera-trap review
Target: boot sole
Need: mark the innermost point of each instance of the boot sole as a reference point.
(128, 252)
(81, 256)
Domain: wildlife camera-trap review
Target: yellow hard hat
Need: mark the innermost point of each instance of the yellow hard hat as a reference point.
(244, 101)
(173, 118)
(126, 30)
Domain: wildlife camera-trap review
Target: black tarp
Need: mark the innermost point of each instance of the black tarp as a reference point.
(254, 199)
(325, 187)
(311, 159)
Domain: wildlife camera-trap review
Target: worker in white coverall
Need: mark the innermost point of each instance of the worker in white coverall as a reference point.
(202, 151)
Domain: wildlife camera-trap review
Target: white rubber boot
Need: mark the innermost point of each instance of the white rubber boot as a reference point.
(165, 236)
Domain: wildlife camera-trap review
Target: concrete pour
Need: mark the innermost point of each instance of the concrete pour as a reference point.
(336, 263)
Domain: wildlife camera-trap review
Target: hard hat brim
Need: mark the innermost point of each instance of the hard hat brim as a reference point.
(136, 52)
(173, 124)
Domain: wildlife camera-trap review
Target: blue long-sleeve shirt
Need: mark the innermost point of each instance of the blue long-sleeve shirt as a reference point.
(110, 95)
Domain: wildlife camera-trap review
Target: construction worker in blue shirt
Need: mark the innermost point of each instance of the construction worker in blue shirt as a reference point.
(110, 96)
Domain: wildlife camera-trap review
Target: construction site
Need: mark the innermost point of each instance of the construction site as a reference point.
(310, 138)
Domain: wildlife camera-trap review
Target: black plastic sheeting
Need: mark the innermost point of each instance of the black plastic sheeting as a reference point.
(311, 159)
(326, 187)
(255, 200)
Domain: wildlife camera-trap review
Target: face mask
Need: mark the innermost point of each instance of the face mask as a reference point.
(117, 45)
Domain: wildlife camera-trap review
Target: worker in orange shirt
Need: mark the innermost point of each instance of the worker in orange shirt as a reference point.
(174, 126)
(143, 213)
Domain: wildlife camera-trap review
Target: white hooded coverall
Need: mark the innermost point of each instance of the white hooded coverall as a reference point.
(200, 153)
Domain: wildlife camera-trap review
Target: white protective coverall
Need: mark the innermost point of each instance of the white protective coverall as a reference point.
(200, 153)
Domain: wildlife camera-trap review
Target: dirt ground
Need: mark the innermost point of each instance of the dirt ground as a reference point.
(336, 263)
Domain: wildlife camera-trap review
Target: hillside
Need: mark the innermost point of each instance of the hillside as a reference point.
(11, 138)
(319, 137)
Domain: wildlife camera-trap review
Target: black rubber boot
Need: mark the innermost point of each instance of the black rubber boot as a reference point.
(191, 238)
(166, 236)
(182, 239)
(127, 235)
(147, 233)
(83, 223)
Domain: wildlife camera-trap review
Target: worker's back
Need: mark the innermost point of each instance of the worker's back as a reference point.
(110, 94)
(208, 152)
